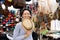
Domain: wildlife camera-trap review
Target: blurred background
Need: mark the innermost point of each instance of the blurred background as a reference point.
(45, 15)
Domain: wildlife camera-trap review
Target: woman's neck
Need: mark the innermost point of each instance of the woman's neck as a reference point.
(26, 18)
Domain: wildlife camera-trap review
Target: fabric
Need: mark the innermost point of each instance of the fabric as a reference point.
(43, 4)
(19, 33)
(57, 0)
(55, 25)
(19, 3)
(3, 37)
(44, 32)
(46, 17)
(52, 25)
(35, 36)
(53, 5)
(10, 0)
(17, 20)
(40, 18)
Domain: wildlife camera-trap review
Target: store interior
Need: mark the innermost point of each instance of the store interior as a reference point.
(10, 16)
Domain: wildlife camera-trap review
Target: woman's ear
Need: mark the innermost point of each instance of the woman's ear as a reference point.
(30, 16)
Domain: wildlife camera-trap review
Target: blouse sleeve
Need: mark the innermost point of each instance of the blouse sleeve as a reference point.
(16, 33)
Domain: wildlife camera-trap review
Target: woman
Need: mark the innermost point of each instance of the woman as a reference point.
(20, 33)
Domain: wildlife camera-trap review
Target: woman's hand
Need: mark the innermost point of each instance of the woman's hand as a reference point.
(28, 32)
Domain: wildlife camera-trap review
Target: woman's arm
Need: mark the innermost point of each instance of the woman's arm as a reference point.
(16, 33)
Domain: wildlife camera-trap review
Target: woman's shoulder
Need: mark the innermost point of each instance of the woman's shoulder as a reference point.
(19, 23)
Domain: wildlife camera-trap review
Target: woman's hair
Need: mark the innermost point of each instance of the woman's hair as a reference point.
(21, 13)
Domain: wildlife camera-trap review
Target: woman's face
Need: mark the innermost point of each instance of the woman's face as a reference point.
(26, 14)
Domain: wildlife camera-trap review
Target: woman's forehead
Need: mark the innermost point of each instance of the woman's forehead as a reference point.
(26, 11)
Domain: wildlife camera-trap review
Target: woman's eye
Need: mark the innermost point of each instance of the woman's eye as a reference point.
(28, 14)
(25, 14)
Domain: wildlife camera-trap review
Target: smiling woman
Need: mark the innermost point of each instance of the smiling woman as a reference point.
(20, 32)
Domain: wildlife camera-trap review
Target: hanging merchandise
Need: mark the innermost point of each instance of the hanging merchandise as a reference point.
(19, 3)
(2, 1)
(8, 2)
(3, 6)
(28, 0)
(0, 7)
(12, 11)
(17, 20)
(57, 0)
(53, 5)
(43, 6)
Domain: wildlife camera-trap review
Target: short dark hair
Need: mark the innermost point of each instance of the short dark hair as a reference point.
(21, 13)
